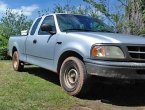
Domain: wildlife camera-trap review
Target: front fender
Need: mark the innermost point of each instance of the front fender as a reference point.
(78, 48)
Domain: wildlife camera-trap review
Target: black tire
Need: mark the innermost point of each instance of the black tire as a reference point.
(73, 77)
(17, 64)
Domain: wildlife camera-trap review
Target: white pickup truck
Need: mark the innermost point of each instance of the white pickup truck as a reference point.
(78, 47)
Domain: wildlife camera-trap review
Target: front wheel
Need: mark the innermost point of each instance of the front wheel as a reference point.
(73, 76)
(17, 64)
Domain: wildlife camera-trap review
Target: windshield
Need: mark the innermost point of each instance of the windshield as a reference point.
(73, 23)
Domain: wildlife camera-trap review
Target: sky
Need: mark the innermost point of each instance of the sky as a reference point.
(31, 7)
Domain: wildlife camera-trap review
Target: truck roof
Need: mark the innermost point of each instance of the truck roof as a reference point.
(58, 13)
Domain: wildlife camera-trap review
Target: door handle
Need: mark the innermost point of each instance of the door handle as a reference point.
(34, 41)
(59, 42)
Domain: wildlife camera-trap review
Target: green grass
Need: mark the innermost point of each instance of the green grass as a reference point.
(39, 89)
(27, 91)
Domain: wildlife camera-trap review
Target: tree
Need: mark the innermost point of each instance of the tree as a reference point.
(134, 15)
(13, 22)
(42, 12)
(114, 18)
(71, 9)
(99, 6)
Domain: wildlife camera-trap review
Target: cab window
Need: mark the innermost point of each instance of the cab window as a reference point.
(34, 27)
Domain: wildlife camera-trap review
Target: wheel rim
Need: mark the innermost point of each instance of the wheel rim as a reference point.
(71, 78)
(15, 61)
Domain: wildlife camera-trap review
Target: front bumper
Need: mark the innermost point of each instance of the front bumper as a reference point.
(112, 69)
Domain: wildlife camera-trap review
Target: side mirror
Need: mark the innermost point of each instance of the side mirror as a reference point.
(24, 32)
(48, 28)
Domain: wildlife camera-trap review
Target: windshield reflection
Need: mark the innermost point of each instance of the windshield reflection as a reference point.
(73, 23)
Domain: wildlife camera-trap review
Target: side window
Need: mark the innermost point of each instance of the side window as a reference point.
(49, 20)
(35, 26)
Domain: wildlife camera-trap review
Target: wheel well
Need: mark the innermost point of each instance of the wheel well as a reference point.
(14, 49)
(66, 55)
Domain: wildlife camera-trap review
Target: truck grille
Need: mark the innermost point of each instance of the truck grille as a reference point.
(137, 52)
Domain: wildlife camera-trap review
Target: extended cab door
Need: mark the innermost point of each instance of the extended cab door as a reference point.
(40, 47)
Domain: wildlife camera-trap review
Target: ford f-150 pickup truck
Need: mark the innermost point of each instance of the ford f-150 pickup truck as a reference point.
(77, 47)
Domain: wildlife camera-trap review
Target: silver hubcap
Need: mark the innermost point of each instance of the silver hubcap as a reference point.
(71, 78)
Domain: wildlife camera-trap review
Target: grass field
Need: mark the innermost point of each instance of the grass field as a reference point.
(39, 89)
(27, 91)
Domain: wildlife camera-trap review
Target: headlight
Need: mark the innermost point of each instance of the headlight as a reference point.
(107, 52)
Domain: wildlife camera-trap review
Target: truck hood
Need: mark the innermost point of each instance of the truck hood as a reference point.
(101, 37)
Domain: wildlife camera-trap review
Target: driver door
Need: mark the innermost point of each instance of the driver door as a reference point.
(40, 47)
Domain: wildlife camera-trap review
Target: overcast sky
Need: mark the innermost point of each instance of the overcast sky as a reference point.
(31, 7)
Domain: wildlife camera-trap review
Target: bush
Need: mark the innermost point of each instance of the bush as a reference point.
(3, 48)
(3, 53)
(142, 32)
(3, 41)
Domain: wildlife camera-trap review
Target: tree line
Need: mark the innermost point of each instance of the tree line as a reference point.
(129, 18)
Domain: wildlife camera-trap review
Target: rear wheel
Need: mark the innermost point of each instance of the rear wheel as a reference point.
(17, 64)
(73, 76)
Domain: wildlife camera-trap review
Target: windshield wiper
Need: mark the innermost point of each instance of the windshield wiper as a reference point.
(83, 30)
